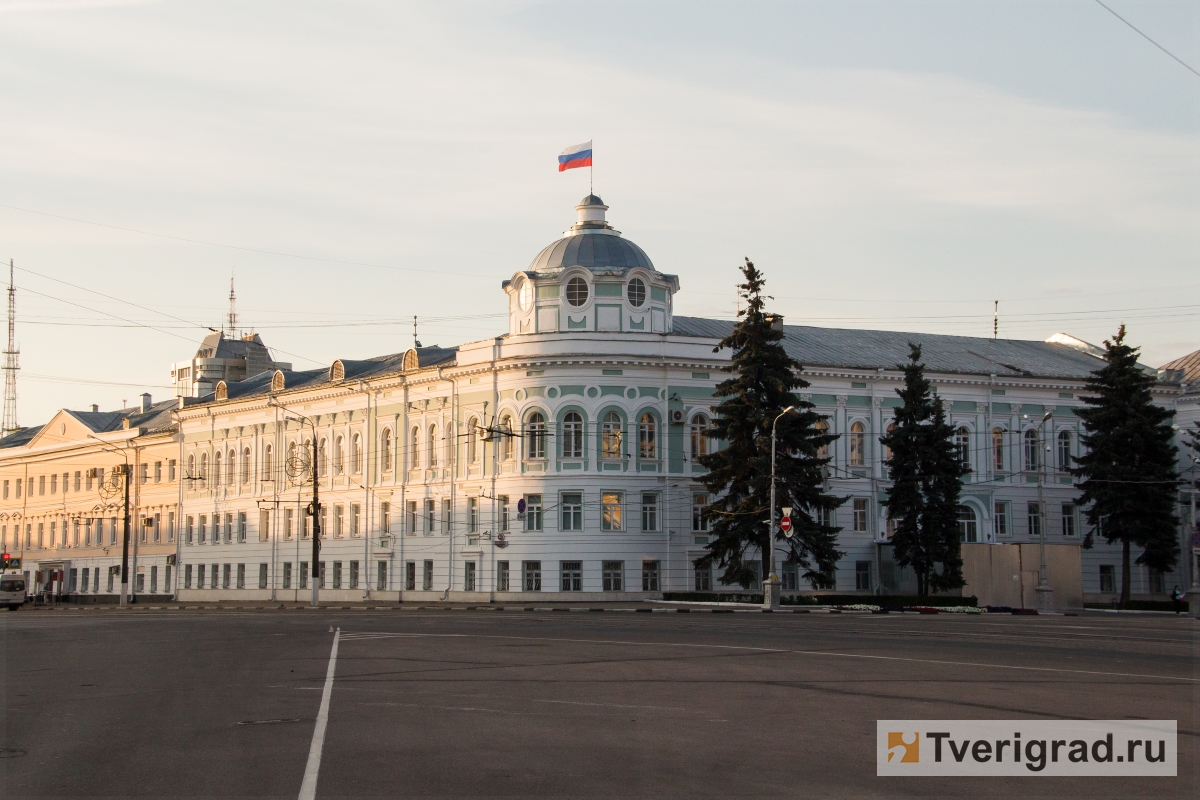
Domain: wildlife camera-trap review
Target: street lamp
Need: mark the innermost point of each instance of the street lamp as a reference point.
(1045, 594)
(126, 472)
(771, 584)
(315, 508)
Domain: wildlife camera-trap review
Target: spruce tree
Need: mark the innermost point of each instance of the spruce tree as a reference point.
(762, 384)
(1127, 473)
(926, 473)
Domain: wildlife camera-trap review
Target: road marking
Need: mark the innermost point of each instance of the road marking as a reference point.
(618, 705)
(308, 787)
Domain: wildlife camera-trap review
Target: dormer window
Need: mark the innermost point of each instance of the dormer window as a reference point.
(636, 292)
(577, 291)
(525, 295)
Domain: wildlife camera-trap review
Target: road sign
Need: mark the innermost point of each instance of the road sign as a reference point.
(521, 506)
(785, 524)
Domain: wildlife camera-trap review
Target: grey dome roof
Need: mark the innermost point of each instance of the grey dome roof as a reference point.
(592, 250)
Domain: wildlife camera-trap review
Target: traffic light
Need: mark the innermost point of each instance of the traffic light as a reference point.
(8, 562)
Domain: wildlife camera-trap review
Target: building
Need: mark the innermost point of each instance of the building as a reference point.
(1186, 372)
(222, 358)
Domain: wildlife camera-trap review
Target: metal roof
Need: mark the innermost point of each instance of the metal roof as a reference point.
(872, 350)
(592, 249)
(1188, 365)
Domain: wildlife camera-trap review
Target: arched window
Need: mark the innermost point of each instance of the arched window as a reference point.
(356, 454)
(647, 436)
(962, 445)
(700, 440)
(998, 449)
(1032, 461)
(472, 440)
(217, 468)
(577, 291)
(323, 457)
(414, 452)
(432, 446)
(822, 429)
(572, 435)
(611, 434)
(230, 466)
(535, 436)
(385, 450)
(1064, 450)
(858, 443)
(506, 438)
(291, 462)
(191, 467)
(968, 525)
(204, 469)
(268, 451)
(339, 464)
(244, 475)
(887, 451)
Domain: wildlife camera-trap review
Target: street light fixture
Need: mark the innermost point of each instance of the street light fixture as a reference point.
(771, 584)
(126, 473)
(1045, 594)
(314, 508)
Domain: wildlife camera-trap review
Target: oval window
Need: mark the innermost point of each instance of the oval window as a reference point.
(577, 291)
(637, 292)
(525, 295)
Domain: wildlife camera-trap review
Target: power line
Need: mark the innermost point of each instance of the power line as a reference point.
(1148, 39)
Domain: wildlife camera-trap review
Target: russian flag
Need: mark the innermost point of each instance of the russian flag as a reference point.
(578, 156)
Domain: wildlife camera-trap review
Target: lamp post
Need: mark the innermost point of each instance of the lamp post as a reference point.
(314, 508)
(1045, 594)
(771, 584)
(126, 473)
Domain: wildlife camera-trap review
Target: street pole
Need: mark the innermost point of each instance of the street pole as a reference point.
(771, 584)
(1045, 594)
(1193, 549)
(125, 543)
(316, 515)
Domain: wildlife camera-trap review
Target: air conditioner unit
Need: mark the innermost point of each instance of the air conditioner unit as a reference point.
(677, 416)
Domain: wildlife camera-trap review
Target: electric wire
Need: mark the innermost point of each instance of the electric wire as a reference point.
(1137, 30)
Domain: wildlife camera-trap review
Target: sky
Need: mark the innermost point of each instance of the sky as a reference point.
(893, 165)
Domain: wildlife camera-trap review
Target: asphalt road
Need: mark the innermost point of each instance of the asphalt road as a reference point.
(484, 703)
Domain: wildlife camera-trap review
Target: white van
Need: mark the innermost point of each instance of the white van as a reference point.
(12, 591)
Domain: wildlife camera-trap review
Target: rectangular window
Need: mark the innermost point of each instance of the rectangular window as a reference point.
(1068, 519)
(289, 519)
(201, 531)
(158, 472)
(472, 515)
(649, 576)
(262, 576)
(321, 575)
(502, 510)
(1108, 579)
(1157, 582)
(572, 511)
(1034, 514)
(533, 575)
(501, 576)
(446, 521)
(353, 574)
(287, 575)
(41, 485)
(54, 483)
(139, 584)
(862, 576)
(703, 579)
(337, 574)
(533, 512)
(649, 511)
(385, 517)
(381, 576)
(302, 574)
(96, 580)
(241, 526)
(614, 576)
(410, 575)
(468, 576)
(410, 520)
(572, 576)
(241, 576)
(430, 514)
(187, 576)
(228, 528)
(1000, 519)
(171, 470)
(145, 524)
(355, 521)
(112, 575)
(700, 513)
(264, 525)
(427, 576)
(199, 578)
(78, 479)
(339, 517)
(154, 579)
(790, 578)
(144, 470)
(612, 516)
(860, 514)
(213, 577)
(6, 490)
(156, 528)
(19, 488)
(226, 576)
(167, 583)
(170, 526)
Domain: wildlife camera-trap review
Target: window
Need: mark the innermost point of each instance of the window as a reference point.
(381, 575)
(157, 475)
(245, 474)
(230, 466)
(962, 444)
(447, 522)
(535, 436)
(339, 465)
(1000, 519)
(144, 469)
(572, 435)
(414, 456)
(1034, 515)
(225, 576)
(887, 451)
(355, 519)
(858, 442)
(1068, 519)
(241, 576)
(289, 518)
(356, 454)
(385, 450)
(862, 576)
(700, 513)
(703, 578)
(430, 516)
(241, 526)
(501, 576)
(322, 457)
(302, 571)
(1157, 582)
(532, 571)
(353, 574)
(860, 515)
(410, 518)
(469, 576)
(187, 576)
(614, 576)
(262, 576)
(502, 510)
(572, 576)
(577, 291)
(997, 449)
(790, 578)
(203, 529)
(1032, 461)
(612, 517)
(968, 525)
(385, 517)
(287, 575)
(649, 576)
(649, 511)
(1108, 579)
(700, 440)
(1064, 450)
(611, 434)
(636, 292)
(533, 512)
(506, 438)
(572, 511)
(647, 437)
(264, 525)
(337, 574)
(822, 429)
(472, 515)
(410, 575)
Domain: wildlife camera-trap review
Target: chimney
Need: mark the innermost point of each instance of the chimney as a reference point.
(95, 408)
(145, 402)
(776, 321)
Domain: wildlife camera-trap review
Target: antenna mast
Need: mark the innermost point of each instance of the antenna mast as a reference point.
(232, 311)
(996, 320)
(10, 360)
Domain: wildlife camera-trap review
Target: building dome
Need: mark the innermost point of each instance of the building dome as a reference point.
(591, 242)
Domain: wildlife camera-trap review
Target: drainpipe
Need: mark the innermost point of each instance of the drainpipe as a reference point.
(453, 440)
(179, 519)
(496, 345)
(368, 436)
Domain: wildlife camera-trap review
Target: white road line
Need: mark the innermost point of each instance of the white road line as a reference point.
(308, 787)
